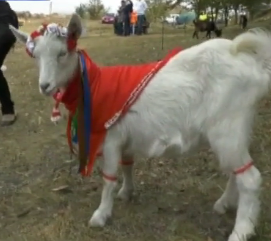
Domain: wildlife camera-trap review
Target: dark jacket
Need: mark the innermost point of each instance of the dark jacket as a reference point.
(128, 9)
(7, 15)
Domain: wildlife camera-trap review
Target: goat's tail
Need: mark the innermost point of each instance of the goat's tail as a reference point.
(255, 42)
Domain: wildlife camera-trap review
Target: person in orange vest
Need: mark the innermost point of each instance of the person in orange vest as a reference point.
(133, 21)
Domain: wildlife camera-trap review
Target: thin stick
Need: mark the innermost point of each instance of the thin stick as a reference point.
(163, 30)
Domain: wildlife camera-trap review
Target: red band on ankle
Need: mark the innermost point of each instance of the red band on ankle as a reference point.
(126, 163)
(109, 178)
(243, 168)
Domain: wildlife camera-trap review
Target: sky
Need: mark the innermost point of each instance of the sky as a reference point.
(59, 6)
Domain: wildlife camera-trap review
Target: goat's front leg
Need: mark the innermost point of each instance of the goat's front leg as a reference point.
(126, 191)
(195, 34)
(110, 166)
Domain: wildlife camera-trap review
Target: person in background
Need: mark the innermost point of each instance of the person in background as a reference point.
(133, 22)
(203, 16)
(128, 9)
(119, 19)
(243, 21)
(7, 41)
(140, 8)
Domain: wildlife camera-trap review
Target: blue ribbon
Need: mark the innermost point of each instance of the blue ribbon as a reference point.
(87, 105)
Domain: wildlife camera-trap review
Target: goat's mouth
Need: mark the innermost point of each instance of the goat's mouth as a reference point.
(49, 91)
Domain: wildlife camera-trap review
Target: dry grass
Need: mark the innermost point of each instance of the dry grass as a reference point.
(173, 201)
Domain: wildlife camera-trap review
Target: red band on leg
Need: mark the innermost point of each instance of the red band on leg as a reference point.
(127, 163)
(109, 178)
(243, 168)
(99, 154)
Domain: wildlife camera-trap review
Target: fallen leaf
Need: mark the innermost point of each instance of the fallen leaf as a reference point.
(64, 189)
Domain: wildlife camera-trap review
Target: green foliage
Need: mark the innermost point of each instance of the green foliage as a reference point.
(94, 9)
(158, 9)
(81, 10)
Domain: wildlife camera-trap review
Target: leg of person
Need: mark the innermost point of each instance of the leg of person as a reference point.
(145, 29)
(140, 20)
(118, 28)
(122, 28)
(115, 28)
(127, 26)
(5, 97)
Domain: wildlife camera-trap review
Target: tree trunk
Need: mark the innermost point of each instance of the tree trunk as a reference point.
(212, 14)
(216, 13)
(197, 8)
(236, 14)
(226, 15)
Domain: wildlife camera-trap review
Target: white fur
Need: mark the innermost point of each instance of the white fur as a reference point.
(204, 95)
(3, 68)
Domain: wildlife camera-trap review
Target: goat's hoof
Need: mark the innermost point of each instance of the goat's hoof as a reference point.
(98, 219)
(125, 194)
(244, 232)
(219, 207)
(238, 237)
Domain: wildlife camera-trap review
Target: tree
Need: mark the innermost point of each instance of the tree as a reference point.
(95, 8)
(159, 8)
(81, 10)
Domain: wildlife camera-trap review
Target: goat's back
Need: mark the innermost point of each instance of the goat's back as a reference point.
(198, 87)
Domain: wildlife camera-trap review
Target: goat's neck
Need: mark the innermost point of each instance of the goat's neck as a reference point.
(93, 70)
(73, 69)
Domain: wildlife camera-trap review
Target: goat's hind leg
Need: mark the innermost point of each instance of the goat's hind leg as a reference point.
(248, 183)
(126, 191)
(234, 156)
(229, 198)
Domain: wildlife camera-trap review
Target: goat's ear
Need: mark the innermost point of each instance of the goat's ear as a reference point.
(21, 36)
(75, 27)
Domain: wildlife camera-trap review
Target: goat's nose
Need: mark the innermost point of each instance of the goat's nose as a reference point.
(44, 86)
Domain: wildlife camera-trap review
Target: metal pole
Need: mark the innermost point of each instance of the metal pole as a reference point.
(163, 30)
(50, 7)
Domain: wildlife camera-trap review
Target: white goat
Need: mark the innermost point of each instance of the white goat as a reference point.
(205, 94)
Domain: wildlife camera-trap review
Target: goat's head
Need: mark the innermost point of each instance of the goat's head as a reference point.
(54, 48)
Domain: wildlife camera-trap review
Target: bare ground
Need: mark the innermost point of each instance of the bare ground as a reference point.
(173, 201)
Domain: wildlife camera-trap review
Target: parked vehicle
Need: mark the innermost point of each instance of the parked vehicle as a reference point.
(108, 18)
(171, 19)
(21, 22)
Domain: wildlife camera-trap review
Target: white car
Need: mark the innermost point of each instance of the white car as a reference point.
(171, 19)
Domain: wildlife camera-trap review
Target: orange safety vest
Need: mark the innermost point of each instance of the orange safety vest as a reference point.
(133, 18)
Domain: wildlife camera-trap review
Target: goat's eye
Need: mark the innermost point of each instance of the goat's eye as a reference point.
(61, 56)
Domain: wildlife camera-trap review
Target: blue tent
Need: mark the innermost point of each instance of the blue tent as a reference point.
(185, 18)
